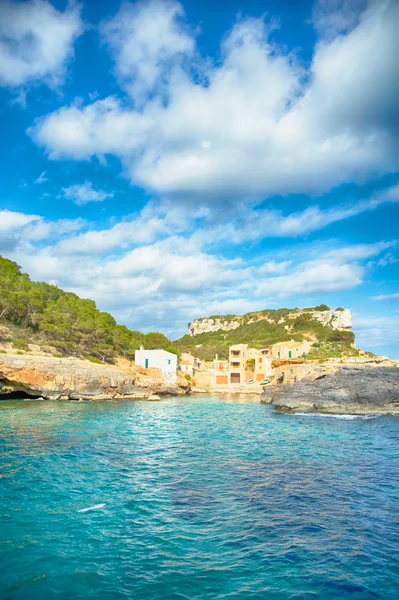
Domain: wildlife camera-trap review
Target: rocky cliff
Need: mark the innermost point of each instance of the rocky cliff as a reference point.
(359, 391)
(335, 319)
(71, 378)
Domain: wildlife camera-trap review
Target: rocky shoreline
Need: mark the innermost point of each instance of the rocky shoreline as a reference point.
(351, 390)
(73, 379)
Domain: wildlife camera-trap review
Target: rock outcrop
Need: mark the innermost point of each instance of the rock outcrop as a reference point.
(71, 378)
(361, 390)
(336, 319)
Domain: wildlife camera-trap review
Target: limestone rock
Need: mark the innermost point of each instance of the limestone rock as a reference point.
(74, 379)
(336, 319)
(212, 324)
(351, 390)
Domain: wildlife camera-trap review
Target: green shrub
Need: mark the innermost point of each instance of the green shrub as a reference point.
(93, 359)
(20, 344)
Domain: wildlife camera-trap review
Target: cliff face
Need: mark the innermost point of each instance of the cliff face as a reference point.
(71, 378)
(359, 391)
(336, 319)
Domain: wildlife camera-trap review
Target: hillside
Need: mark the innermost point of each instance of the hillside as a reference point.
(43, 315)
(213, 335)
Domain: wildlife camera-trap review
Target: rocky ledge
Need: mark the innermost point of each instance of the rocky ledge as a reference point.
(359, 391)
(74, 379)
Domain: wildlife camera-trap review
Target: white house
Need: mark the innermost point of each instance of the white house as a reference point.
(158, 359)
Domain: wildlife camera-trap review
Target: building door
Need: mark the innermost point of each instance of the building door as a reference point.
(235, 378)
(146, 363)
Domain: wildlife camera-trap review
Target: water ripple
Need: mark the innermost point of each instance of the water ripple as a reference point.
(196, 499)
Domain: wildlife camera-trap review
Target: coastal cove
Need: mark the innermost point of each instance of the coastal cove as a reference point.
(198, 496)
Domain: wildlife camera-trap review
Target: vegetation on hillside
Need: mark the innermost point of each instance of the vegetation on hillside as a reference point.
(324, 350)
(262, 333)
(44, 314)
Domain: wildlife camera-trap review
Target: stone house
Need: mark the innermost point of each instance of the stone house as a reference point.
(287, 350)
(240, 368)
(188, 363)
(158, 359)
(220, 372)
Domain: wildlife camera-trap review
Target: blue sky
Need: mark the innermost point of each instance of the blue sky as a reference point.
(175, 160)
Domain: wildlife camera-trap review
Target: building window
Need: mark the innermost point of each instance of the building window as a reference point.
(169, 361)
(235, 352)
(235, 364)
(261, 360)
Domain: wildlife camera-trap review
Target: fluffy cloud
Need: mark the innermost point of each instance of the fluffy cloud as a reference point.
(20, 230)
(256, 124)
(11, 221)
(84, 193)
(36, 41)
(144, 285)
(153, 222)
(209, 229)
(148, 40)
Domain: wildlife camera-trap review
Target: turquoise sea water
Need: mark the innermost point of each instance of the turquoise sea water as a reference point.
(204, 499)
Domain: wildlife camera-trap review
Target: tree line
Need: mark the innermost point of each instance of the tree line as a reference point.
(73, 325)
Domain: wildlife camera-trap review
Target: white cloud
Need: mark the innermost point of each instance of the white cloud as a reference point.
(386, 297)
(245, 224)
(11, 221)
(41, 179)
(209, 229)
(154, 221)
(36, 41)
(20, 230)
(148, 40)
(274, 267)
(359, 251)
(176, 276)
(315, 277)
(84, 193)
(256, 124)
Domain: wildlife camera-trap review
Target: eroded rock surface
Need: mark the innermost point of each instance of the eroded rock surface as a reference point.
(350, 390)
(63, 378)
(336, 319)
